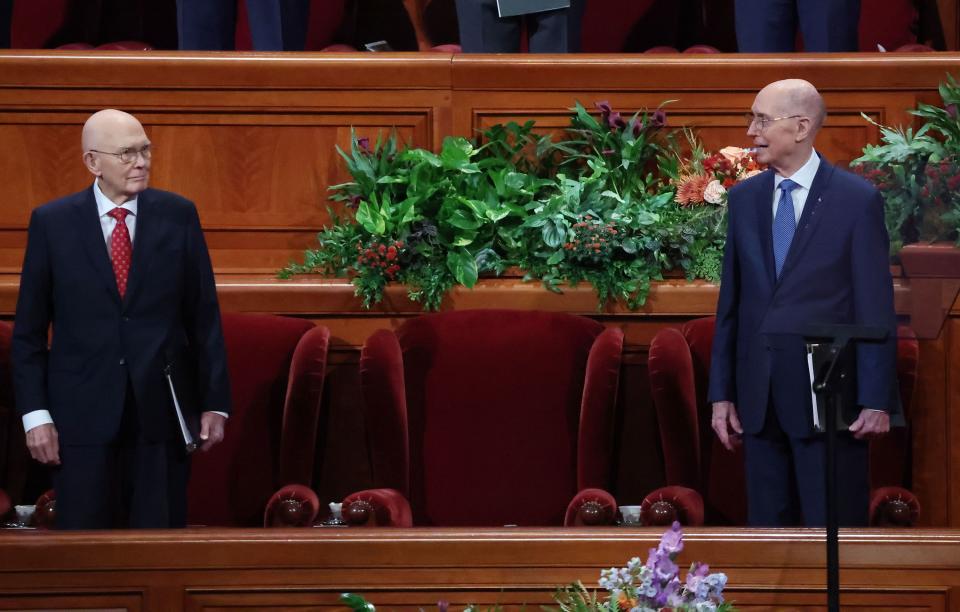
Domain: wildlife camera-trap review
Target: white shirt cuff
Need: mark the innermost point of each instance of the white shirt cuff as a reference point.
(223, 414)
(36, 419)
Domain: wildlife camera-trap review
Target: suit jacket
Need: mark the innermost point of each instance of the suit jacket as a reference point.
(836, 271)
(169, 316)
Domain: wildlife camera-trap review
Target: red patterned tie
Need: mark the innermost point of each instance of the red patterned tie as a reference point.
(120, 248)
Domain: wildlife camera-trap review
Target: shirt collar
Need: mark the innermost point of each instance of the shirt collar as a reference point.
(804, 176)
(104, 205)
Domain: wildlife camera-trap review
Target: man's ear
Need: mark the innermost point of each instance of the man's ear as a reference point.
(804, 128)
(92, 163)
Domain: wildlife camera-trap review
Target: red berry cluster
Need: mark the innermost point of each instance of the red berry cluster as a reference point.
(593, 240)
(943, 179)
(380, 257)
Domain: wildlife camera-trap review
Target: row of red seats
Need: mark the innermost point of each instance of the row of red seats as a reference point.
(480, 418)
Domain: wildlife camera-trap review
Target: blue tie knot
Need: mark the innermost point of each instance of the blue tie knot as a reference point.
(787, 185)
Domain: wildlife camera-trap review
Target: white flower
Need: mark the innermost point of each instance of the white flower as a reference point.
(714, 192)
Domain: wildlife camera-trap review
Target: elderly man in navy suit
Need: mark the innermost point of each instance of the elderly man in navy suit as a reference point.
(122, 274)
(806, 243)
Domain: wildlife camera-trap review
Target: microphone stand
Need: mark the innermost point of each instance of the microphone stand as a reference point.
(828, 382)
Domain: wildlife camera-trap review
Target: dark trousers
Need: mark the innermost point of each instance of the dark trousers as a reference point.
(786, 478)
(482, 31)
(770, 26)
(129, 482)
(210, 25)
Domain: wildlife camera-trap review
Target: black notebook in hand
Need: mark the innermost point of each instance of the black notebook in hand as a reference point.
(845, 375)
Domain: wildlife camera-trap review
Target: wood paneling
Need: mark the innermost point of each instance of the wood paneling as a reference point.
(410, 569)
(250, 137)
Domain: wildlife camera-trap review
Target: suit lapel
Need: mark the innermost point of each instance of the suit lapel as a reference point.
(812, 214)
(91, 236)
(765, 218)
(142, 243)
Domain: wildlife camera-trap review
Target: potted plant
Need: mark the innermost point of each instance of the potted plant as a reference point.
(918, 175)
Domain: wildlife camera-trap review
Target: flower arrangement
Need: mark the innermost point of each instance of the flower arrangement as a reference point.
(653, 586)
(918, 172)
(598, 207)
(701, 181)
(704, 179)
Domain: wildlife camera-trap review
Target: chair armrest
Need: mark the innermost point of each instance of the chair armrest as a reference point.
(292, 506)
(893, 507)
(668, 504)
(45, 512)
(377, 508)
(5, 504)
(591, 507)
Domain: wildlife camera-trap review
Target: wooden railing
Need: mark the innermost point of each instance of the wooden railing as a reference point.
(198, 569)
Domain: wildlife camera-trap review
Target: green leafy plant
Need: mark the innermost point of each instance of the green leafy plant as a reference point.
(596, 206)
(918, 172)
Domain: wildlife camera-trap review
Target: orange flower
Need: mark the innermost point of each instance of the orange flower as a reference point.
(690, 190)
(626, 603)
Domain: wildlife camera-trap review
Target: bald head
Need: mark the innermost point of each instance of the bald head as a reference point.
(106, 126)
(796, 97)
(117, 151)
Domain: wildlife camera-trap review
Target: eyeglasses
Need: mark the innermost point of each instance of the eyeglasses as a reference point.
(763, 122)
(129, 155)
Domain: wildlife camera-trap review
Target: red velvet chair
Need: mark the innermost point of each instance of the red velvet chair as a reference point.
(277, 366)
(488, 418)
(705, 481)
(8, 418)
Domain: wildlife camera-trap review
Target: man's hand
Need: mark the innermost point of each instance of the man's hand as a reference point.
(870, 424)
(726, 423)
(211, 429)
(44, 444)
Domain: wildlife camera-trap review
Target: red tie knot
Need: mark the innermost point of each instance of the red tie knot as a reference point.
(119, 213)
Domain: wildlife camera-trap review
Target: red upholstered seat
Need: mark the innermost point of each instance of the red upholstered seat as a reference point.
(490, 417)
(9, 432)
(277, 367)
(705, 480)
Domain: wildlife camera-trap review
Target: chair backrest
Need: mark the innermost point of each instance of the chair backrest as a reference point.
(495, 433)
(276, 367)
(12, 449)
(679, 368)
(693, 456)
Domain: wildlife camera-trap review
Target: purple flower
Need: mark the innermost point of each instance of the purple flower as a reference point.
(354, 201)
(364, 144)
(442, 605)
(659, 118)
(608, 116)
(662, 565)
(608, 152)
(952, 110)
(672, 540)
(615, 121)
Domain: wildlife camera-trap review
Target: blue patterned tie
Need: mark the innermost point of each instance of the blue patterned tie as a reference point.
(784, 224)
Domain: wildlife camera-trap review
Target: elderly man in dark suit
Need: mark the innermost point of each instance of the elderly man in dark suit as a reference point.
(122, 274)
(806, 244)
